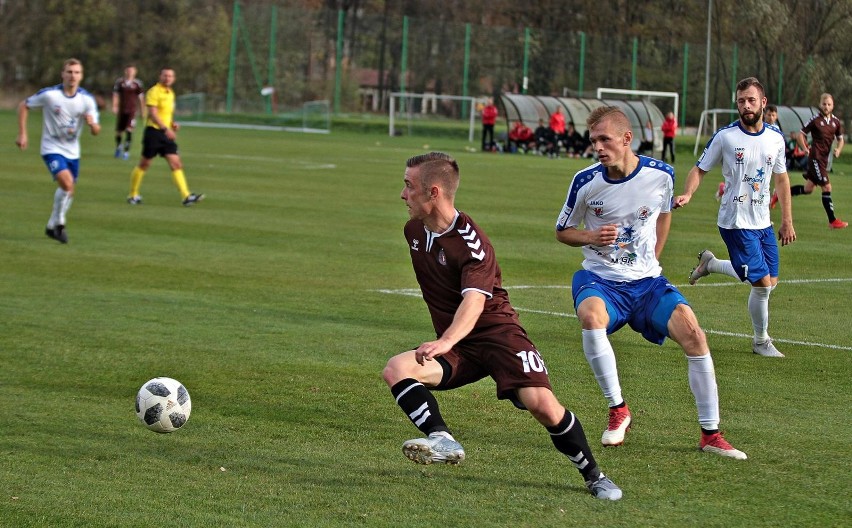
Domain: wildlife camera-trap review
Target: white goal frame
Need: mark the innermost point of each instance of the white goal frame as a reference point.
(701, 122)
(430, 100)
(646, 93)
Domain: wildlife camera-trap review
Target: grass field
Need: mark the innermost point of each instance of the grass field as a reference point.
(278, 300)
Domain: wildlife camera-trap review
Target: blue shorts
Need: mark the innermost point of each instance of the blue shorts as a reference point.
(57, 163)
(753, 252)
(645, 304)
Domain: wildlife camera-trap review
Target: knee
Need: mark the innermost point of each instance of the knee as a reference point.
(395, 371)
(686, 331)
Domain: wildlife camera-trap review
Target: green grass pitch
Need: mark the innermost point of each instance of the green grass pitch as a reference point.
(278, 300)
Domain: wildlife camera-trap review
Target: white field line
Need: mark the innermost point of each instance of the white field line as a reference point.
(415, 292)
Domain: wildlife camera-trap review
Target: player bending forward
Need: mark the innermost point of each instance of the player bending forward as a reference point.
(478, 332)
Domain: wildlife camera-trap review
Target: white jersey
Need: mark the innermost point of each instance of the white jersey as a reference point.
(64, 119)
(748, 162)
(633, 204)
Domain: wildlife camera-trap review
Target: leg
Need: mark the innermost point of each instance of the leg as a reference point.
(410, 383)
(136, 180)
(594, 319)
(62, 198)
(683, 328)
(568, 437)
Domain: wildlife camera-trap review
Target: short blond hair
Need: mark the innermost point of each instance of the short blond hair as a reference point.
(613, 113)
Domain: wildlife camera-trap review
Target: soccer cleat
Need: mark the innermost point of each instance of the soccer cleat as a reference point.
(838, 224)
(604, 488)
(125, 156)
(118, 153)
(766, 349)
(192, 198)
(134, 200)
(57, 233)
(437, 448)
(716, 443)
(701, 269)
(619, 423)
(774, 200)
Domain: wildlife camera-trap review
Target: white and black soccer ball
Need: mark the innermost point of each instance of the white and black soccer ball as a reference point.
(163, 405)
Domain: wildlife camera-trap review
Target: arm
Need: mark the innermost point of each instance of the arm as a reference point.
(801, 139)
(574, 237)
(786, 233)
(664, 223)
(114, 102)
(693, 180)
(143, 109)
(839, 148)
(154, 116)
(23, 113)
(464, 320)
(93, 126)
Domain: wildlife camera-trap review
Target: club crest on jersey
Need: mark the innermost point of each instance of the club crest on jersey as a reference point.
(598, 211)
(415, 245)
(739, 154)
(643, 213)
(441, 257)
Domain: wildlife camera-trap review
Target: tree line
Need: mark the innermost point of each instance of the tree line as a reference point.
(483, 47)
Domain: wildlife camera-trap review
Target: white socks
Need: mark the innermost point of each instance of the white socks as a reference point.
(758, 308)
(722, 266)
(601, 358)
(702, 381)
(61, 203)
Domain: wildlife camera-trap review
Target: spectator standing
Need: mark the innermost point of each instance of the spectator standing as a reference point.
(66, 108)
(669, 129)
(749, 151)
(478, 334)
(557, 125)
(159, 140)
(489, 119)
(128, 101)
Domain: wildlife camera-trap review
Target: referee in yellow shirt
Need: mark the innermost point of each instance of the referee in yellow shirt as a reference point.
(159, 139)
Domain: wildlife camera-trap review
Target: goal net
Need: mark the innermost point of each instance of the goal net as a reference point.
(432, 115)
(709, 123)
(311, 117)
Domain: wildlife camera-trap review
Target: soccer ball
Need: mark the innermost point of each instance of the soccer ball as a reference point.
(163, 405)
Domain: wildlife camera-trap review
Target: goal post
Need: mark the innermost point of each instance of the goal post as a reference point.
(431, 113)
(646, 94)
(714, 112)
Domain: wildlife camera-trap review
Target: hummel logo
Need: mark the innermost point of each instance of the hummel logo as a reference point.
(473, 243)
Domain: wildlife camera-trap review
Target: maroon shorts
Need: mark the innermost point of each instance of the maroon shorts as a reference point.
(504, 353)
(125, 122)
(817, 172)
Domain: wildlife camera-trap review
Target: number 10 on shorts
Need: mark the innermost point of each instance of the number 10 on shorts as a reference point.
(532, 361)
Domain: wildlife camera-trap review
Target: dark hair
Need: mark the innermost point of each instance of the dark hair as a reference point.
(751, 81)
(771, 108)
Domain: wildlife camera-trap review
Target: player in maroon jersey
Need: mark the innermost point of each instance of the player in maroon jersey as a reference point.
(478, 333)
(823, 128)
(128, 99)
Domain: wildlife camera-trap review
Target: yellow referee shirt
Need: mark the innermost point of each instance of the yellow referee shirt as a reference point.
(163, 99)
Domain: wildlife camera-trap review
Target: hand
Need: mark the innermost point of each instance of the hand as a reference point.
(786, 234)
(681, 201)
(22, 141)
(605, 236)
(428, 351)
(837, 152)
(175, 126)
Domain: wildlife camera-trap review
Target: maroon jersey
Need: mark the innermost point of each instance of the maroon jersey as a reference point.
(451, 263)
(128, 94)
(823, 130)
